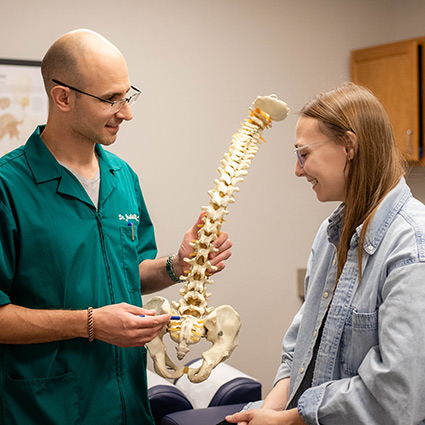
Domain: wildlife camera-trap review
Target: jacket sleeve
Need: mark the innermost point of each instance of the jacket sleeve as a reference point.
(8, 232)
(288, 348)
(389, 386)
(290, 338)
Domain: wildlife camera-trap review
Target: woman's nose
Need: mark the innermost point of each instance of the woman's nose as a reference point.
(299, 171)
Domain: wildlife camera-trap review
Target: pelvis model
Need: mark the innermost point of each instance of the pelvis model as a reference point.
(218, 325)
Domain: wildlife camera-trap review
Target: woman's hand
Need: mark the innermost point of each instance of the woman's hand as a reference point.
(266, 417)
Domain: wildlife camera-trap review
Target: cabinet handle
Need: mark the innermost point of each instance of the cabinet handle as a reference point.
(409, 142)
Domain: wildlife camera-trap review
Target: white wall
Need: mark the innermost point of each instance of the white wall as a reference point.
(200, 65)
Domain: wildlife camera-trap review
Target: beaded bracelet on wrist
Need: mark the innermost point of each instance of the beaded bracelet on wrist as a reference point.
(90, 324)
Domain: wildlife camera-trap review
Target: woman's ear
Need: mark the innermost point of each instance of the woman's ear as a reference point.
(351, 144)
(61, 98)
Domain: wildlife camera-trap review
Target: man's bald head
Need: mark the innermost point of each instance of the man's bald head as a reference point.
(68, 59)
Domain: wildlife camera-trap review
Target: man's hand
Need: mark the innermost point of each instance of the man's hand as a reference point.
(153, 273)
(217, 258)
(121, 324)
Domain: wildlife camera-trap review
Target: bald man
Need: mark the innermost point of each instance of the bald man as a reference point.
(77, 250)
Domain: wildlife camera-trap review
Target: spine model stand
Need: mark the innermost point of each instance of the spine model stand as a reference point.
(218, 325)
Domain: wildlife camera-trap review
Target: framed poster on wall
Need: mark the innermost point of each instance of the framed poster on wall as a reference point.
(23, 102)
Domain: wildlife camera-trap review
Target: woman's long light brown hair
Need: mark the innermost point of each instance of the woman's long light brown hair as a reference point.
(377, 165)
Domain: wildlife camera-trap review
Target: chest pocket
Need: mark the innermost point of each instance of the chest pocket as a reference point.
(130, 259)
(359, 336)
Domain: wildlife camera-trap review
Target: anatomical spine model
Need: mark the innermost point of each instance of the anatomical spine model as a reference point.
(218, 325)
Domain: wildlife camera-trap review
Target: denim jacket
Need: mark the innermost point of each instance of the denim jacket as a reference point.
(370, 366)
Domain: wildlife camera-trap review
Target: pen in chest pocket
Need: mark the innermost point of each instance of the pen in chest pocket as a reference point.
(132, 230)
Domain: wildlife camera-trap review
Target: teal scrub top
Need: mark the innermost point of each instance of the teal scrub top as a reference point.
(58, 252)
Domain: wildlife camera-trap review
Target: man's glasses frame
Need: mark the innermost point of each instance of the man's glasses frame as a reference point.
(115, 105)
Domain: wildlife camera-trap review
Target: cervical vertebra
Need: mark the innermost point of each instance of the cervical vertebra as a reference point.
(221, 325)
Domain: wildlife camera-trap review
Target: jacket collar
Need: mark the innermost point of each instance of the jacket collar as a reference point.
(42, 163)
(45, 167)
(384, 216)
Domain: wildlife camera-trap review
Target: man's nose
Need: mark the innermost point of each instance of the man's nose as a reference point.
(125, 112)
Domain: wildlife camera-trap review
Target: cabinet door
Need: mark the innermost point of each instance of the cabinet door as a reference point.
(391, 71)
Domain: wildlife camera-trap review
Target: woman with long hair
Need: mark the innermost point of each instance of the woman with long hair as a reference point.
(354, 352)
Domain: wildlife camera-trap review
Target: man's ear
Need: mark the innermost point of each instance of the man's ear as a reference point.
(351, 144)
(61, 98)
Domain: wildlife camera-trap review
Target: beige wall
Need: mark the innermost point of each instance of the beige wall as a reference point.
(200, 65)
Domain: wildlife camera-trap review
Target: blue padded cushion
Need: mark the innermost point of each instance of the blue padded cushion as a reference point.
(166, 399)
(238, 390)
(208, 416)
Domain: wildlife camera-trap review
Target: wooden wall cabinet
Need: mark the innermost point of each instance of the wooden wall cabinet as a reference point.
(394, 73)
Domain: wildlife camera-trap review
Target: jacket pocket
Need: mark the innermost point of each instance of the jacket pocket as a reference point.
(359, 336)
(130, 259)
(46, 401)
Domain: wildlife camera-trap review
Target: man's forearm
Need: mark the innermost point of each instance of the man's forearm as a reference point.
(19, 325)
(154, 275)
